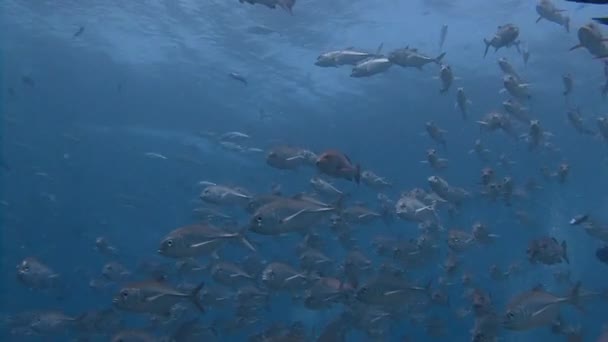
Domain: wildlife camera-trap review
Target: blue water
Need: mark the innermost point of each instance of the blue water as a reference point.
(152, 76)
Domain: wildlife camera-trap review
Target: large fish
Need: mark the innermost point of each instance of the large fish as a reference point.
(197, 240)
(154, 297)
(286, 215)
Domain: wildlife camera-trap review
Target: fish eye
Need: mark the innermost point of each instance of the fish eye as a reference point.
(26, 268)
(124, 294)
(259, 219)
(169, 243)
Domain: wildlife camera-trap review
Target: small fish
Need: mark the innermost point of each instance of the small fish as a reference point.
(525, 55)
(578, 219)
(238, 77)
(324, 187)
(447, 78)
(234, 135)
(260, 29)
(78, 32)
(568, 84)
(155, 155)
(27, 80)
(462, 102)
(287, 5)
(602, 254)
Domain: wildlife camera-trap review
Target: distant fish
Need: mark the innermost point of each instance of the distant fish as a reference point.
(261, 30)
(568, 84)
(284, 4)
(155, 155)
(238, 77)
(79, 32)
(234, 136)
(27, 80)
(578, 219)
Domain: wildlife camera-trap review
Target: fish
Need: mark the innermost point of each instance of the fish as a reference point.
(579, 219)
(591, 38)
(338, 165)
(462, 102)
(436, 133)
(547, 250)
(547, 10)
(515, 88)
(447, 77)
(507, 68)
(285, 157)
(374, 181)
(288, 215)
(287, 5)
(78, 32)
(411, 57)
(537, 308)
(238, 77)
(505, 36)
(155, 155)
(568, 84)
(197, 240)
(33, 273)
(154, 297)
(324, 187)
(371, 66)
(225, 195)
(348, 56)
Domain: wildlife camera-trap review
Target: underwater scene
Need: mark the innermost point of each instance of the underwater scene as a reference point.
(304, 170)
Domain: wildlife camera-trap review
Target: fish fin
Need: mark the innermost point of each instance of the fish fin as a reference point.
(149, 299)
(565, 248)
(195, 299)
(439, 58)
(292, 216)
(487, 42)
(245, 241)
(539, 18)
(358, 174)
(195, 245)
(576, 47)
(379, 48)
(575, 296)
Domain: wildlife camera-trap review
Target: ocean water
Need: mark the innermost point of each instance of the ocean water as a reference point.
(108, 133)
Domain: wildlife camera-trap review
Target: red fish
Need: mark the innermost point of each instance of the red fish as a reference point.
(337, 164)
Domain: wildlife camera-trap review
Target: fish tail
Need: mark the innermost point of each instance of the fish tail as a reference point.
(358, 174)
(565, 248)
(439, 58)
(575, 296)
(487, 46)
(243, 239)
(194, 295)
